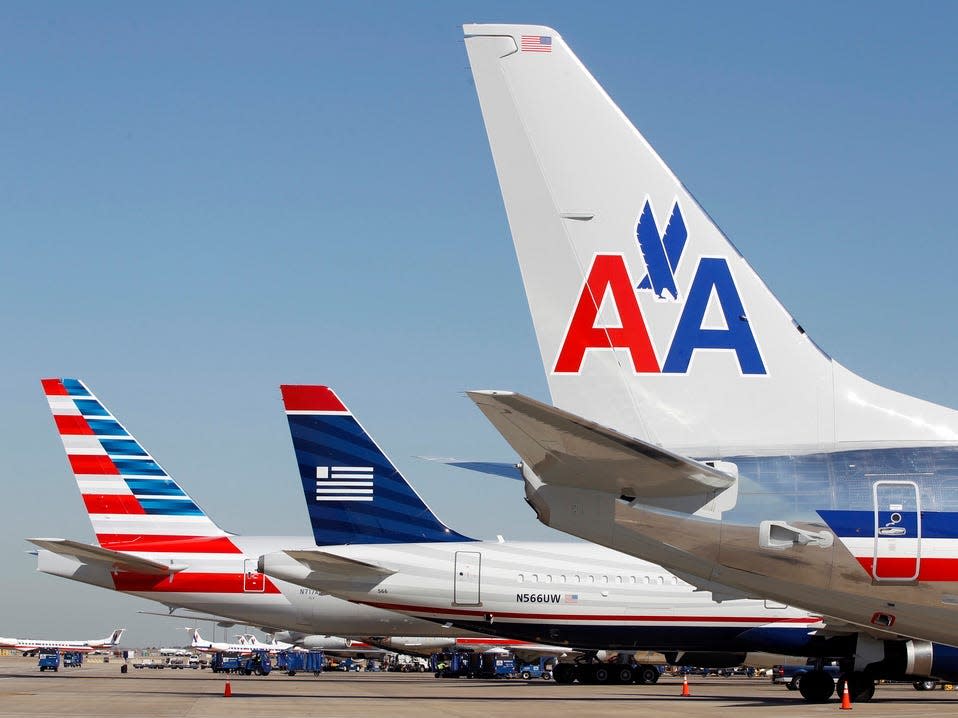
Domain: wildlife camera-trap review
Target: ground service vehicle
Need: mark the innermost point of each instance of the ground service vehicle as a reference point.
(293, 662)
(49, 660)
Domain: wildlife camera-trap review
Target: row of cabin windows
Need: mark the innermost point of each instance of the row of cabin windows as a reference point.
(592, 578)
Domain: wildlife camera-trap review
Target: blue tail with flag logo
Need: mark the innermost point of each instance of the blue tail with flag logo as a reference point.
(353, 492)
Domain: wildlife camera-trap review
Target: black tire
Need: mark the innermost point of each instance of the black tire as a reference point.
(564, 673)
(861, 686)
(816, 686)
(623, 674)
(646, 675)
(792, 685)
(925, 685)
(601, 675)
(547, 675)
(525, 675)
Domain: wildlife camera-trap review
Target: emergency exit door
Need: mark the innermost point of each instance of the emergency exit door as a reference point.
(897, 548)
(253, 580)
(466, 587)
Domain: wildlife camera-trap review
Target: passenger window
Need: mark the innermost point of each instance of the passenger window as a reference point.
(521, 577)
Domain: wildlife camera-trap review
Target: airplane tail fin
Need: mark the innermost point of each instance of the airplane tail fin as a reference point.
(195, 638)
(649, 321)
(114, 638)
(132, 502)
(353, 492)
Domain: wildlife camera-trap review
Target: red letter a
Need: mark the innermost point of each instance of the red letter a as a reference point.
(608, 273)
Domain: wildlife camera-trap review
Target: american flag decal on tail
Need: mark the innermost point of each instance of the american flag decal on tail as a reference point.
(536, 43)
(344, 483)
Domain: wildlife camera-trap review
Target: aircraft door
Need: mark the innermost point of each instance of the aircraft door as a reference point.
(897, 547)
(466, 586)
(253, 580)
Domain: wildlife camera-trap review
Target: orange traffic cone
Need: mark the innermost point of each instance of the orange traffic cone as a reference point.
(227, 689)
(686, 693)
(846, 699)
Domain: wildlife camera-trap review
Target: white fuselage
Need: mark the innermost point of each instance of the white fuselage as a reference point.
(228, 585)
(570, 594)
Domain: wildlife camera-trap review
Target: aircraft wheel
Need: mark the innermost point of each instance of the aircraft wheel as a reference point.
(816, 686)
(564, 673)
(861, 686)
(646, 675)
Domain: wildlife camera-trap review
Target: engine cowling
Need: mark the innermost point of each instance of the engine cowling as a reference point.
(914, 659)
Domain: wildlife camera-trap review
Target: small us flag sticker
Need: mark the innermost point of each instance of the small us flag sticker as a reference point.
(536, 43)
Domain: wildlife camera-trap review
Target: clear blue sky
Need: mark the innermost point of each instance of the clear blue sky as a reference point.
(200, 203)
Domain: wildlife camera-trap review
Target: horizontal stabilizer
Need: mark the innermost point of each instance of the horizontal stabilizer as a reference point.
(115, 560)
(506, 469)
(567, 450)
(327, 563)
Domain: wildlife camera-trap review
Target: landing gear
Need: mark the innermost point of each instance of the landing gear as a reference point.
(564, 673)
(646, 675)
(817, 686)
(861, 686)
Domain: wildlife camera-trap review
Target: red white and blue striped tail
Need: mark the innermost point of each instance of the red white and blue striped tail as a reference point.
(133, 503)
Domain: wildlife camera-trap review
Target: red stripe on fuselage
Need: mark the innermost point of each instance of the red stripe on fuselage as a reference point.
(72, 425)
(189, 582)
(584, 617)
(96, 464)
(930, 569)
(54, 387)
(112, 504)
(167, 544)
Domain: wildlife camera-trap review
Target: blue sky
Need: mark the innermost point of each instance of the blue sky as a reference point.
(200, 203)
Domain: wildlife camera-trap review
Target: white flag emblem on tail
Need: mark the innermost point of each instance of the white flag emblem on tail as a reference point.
(344, 483)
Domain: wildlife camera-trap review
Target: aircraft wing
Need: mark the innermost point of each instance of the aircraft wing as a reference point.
(567, 450)
(115, 560)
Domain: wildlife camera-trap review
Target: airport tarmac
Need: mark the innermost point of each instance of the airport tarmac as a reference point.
(101, 690)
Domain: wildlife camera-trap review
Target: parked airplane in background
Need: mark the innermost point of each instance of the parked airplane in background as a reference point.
(696, 424)
(153, 541)
(273, 646)
(198, 643)
(28, 645)
(382, 546)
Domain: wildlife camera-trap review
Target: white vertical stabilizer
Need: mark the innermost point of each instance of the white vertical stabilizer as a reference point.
(648, 319)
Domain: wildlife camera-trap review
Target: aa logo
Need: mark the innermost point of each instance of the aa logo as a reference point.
(609, 281)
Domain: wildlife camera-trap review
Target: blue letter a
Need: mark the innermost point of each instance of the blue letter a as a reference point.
(713, 273)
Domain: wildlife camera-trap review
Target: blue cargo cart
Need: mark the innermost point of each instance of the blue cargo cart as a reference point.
(49, 660)
(293, 662)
